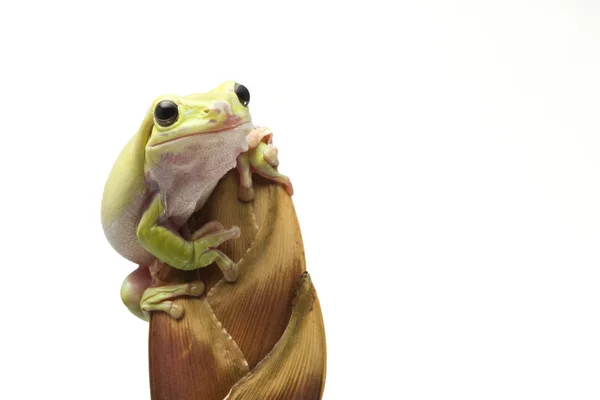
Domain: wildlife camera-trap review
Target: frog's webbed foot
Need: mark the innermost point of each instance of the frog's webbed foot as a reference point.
(207, 228)
(141, 298)
(160, 298)
(207, 238)
(262, 158)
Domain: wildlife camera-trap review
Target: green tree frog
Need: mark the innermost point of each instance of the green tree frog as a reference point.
(165, 173)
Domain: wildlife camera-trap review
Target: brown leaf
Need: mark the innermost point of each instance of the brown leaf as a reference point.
(192, 358)
(295, 368)
(205, 353)
(255, 309)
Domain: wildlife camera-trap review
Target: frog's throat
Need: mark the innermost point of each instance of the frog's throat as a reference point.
(228, 128)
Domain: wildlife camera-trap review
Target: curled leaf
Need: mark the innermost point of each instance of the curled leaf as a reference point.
(295, 368)
(266, 326)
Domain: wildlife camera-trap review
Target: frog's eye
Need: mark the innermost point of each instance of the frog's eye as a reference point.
(166, 113)
(243, 94)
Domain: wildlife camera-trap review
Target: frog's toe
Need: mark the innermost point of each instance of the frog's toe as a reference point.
(174, 310)
(215, 238)
(196, 288)
(160, 298)
(229, 269)
(271, 155)
(246, 193)
(232, 273)
(287, 184)
(207, 229)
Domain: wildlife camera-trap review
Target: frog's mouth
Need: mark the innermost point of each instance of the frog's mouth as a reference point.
(247, 125)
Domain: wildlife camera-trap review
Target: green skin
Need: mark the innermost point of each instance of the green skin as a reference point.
(164, 174)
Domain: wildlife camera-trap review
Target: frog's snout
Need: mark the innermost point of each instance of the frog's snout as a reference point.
(222, 107)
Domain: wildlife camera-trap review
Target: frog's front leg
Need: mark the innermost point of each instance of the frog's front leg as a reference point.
(262, 159)
(171, 248)
(140, 298)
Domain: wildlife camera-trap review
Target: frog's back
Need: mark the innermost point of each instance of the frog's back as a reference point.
(125, 196)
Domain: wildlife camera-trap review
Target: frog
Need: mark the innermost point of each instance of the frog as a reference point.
(166, 172)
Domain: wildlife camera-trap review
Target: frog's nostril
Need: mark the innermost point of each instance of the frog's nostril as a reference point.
(206, 111)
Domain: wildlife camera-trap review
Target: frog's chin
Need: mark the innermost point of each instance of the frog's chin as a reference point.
(244, 128)
(202, 147)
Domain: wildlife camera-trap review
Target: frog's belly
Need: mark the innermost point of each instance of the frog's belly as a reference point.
(187, 174)
(180, 205)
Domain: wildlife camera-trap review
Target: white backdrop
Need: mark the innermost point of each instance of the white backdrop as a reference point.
(445, 157)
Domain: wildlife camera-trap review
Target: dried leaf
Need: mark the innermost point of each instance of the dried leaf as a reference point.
(295, 368)
(202, 355)
(192, 358)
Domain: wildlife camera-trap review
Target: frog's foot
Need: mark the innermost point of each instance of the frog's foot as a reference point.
(260, 160)
(229, 269)
(263, 160)
(160, 298)
(207, 239)
(206, 229)
(259, 134)
(271, 155)
(246, 191)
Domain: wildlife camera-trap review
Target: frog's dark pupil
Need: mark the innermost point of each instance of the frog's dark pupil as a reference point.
(166, 113)
(243, 94)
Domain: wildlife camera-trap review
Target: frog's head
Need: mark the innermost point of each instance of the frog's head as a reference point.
(223, 109)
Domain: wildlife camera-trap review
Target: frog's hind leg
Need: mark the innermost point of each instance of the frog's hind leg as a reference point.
(133, 287)
(140, 298)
